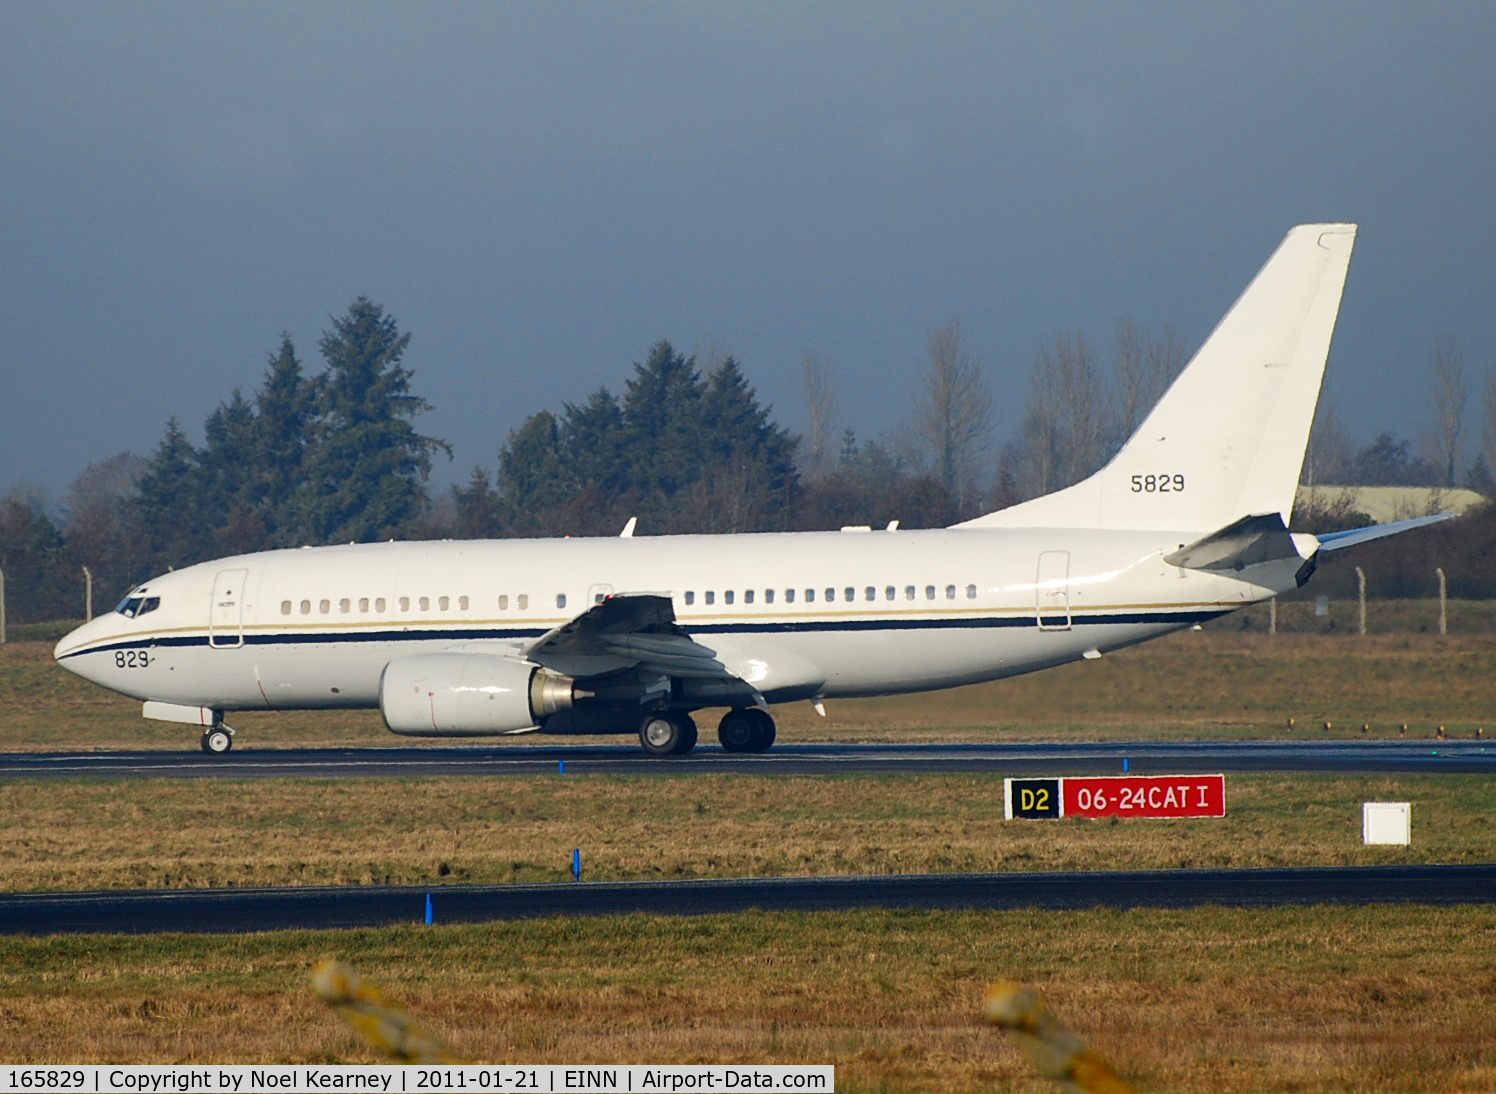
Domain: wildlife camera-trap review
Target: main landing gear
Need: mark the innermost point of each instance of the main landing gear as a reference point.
(217, 739)
(749, 729)
(673, 733)
(667, 733)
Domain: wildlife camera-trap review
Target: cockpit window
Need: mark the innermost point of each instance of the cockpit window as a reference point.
(132, 606)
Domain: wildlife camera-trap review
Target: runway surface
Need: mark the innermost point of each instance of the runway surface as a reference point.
(1374, 757)
(239, 910)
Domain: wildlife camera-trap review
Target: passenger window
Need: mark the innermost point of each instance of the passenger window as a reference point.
(560, 600)
(711, 596)
(363, 605)
(889, 593)
(950, 592)
(444, 603)
(908, 592)
(324, 607)
(285, 607)
(690, 596)
(504, 602)
(768, 596)
(306, 607)
(789, 596)
(425, 603)
(345, 606)
(929, 592)
(405, 603)
(851, 594)
(870, 593)
(524, 601)
(462, 603)
(727, 597)
(379, 604)
(971, 592)
(810, 596)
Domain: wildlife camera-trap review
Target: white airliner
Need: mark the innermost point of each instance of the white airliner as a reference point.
(632, 635)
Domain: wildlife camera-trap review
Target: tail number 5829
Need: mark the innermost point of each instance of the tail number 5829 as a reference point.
(1158, 484)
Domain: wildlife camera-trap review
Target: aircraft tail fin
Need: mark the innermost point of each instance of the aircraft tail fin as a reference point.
(1227, 439)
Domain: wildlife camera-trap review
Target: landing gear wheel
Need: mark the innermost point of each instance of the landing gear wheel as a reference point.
(217, 740)
(667, 734)
(746, 730)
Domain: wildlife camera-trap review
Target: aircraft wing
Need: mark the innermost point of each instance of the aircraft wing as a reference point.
(630, 630)
(637, 634)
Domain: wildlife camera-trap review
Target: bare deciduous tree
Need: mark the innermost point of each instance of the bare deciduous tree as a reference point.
(820, 408)
(1490, 423)
(1447, 393)
(1143, 367)
(953, 412)
(1330, 452)
(1064, 430)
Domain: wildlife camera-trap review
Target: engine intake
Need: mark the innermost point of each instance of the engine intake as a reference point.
(469, 694)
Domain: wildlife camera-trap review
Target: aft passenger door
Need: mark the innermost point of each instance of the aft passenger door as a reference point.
(226, 610)
(1052, 591)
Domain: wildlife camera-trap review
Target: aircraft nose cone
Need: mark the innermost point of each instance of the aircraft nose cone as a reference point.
(69, 648)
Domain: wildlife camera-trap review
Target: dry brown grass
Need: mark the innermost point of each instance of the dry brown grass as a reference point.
(188, 833)
(1216, 683)
(1219, 1000)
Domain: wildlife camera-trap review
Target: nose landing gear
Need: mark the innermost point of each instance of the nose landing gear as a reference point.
(217, 739)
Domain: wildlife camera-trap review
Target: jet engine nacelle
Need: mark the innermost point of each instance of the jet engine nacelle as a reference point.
(468, 694)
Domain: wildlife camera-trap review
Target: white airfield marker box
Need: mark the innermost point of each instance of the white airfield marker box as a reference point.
(1386, 822)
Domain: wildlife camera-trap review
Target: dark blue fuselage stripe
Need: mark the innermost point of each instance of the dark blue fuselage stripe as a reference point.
(827, 626)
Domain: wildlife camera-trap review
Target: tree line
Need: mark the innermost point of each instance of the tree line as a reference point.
(684, 446)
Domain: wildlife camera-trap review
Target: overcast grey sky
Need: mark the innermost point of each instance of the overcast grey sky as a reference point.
(540, 191)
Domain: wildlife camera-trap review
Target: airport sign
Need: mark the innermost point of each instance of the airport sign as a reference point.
(1115, 796)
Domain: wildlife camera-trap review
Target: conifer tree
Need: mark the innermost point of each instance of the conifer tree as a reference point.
(31, 554)
(530, 481)
(367, 465)
(229, 477)
(283, 423)
(662, 428)
(171, 514)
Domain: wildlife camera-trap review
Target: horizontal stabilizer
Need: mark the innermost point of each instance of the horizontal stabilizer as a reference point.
(1338, 541)
(1248, 542)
